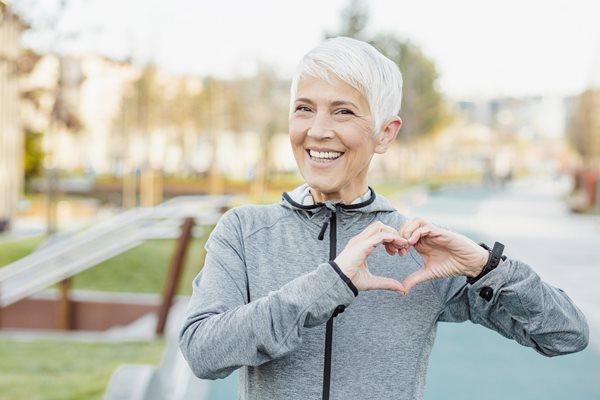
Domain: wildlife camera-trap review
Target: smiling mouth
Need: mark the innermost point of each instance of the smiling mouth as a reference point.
(324, 156)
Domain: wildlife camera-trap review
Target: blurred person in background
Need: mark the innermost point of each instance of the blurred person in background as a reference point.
(332, 293)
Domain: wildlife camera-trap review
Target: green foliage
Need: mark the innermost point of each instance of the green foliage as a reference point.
(66, 370)
(423, 108)
(33, 159)
(355, 18)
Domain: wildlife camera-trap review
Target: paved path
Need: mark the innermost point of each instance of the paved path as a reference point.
(531, 219)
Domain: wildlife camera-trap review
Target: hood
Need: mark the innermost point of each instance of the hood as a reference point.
(301, 199)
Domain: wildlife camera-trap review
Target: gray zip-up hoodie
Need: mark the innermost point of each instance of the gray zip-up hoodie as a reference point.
(266, 291)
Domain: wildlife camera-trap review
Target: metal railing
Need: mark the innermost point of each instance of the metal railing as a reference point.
(63, 258)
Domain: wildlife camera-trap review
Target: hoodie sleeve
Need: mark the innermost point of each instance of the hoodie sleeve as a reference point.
(515, 302)
(222, 331)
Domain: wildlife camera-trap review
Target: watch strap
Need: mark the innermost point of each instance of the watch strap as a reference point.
(493, 261)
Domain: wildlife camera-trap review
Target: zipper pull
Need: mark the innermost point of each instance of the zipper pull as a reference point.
(325, 225)
(323, 229)
(338, 310)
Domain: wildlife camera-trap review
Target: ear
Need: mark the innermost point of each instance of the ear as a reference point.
(388, 133)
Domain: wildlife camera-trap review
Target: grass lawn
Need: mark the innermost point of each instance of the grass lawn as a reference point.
(142, 269)
(65, 370)
(12, 250)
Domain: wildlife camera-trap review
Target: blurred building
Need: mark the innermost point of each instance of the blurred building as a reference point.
(77, 99)
(103, 116)
(11, 135)
(533, 117)
(531, 131)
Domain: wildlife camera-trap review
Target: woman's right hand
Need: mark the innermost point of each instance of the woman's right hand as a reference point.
(352, 261)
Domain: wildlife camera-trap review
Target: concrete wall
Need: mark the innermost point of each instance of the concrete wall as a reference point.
(99, 312)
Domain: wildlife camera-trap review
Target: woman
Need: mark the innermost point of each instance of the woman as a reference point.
(277, 278)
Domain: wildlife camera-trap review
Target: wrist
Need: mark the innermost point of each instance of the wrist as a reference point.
(482, 260)
(344, 277)
(495, 257)
(343, 266)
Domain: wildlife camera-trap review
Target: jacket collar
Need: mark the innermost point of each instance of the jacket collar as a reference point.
(301, 199)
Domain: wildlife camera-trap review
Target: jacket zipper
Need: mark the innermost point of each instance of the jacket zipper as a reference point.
(339, 309)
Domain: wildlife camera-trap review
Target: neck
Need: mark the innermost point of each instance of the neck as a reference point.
(343, 196)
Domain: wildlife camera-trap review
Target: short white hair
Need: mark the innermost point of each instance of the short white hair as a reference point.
(361, 66)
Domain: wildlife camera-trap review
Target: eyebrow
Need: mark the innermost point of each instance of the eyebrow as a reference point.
(335, 103)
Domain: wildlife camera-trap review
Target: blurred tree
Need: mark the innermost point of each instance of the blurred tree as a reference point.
(141, 115)
(148, 102)
(33, 160)
(64, 111)
(354, 20)
(269, 116)
(213, 104)
(142, 110)
(33, 154)
(584, 135)
(235, 94)
(423, 109)
(47, 23)
(584, 130)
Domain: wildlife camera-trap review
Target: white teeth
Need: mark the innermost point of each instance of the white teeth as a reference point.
(326, 154)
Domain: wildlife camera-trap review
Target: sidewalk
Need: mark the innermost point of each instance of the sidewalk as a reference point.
(531, 219)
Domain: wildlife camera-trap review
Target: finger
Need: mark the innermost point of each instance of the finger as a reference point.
(399, 241)
(382, 237)
(378, 233)
(377, 227)
(374, 228)
(415, 278)
(409, 227)
(380, 282)
(417, 234)
(390, 248)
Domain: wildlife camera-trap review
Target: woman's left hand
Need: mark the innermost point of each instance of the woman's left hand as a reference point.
(445, 253)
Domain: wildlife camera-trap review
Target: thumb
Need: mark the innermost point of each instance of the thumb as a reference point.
(380, 282)
(415, 278)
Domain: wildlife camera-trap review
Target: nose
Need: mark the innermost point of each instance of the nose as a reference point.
(321, 127)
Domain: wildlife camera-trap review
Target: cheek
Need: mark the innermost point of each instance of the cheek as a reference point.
(296, 140)
(364, 126)
(294, 131)
(360, 139)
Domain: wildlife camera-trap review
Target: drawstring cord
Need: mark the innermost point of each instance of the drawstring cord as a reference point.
(325, 225)
(323, 229)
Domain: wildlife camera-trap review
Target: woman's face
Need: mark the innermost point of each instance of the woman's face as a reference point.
(331, 131)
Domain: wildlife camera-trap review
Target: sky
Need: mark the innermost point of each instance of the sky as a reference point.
(481, 48)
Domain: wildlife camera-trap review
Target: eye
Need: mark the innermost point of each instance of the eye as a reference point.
(302, 108)
(344, 111)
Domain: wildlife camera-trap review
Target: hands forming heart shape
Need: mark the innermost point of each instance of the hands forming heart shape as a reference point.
(445, 254)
